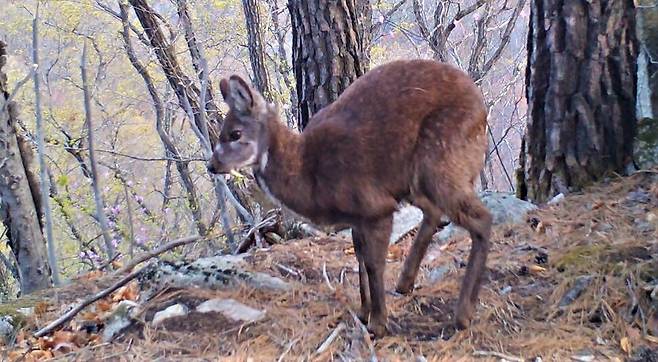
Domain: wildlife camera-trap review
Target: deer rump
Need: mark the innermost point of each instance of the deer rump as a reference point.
(408, 130)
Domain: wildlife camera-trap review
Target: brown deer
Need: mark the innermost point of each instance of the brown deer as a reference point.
(409, 130)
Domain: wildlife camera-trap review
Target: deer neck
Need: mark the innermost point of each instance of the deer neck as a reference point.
(280, 170)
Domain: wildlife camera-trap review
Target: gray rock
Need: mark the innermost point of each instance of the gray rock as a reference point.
(231, 309)
(437, 274)
(119, 320)
(217, 272)
(176, 310)
(7, 328)
(504, 207)
(404, 220)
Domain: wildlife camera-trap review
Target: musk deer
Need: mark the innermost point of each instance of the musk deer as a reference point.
(411, 130)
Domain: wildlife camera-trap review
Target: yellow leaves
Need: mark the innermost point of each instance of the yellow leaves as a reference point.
(625, 345)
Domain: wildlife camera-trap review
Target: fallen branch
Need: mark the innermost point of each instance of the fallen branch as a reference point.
(330, 339)
(123, 281)
(100, 295)
(497, 355)
(153, 253)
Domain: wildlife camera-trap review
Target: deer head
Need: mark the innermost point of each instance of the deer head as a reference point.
(244, 137)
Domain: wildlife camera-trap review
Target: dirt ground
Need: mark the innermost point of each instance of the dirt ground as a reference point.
(578, 281)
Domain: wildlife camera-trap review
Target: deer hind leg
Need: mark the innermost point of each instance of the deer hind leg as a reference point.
(364, 290)
(467, 211)
(376, 234)
(431, 221)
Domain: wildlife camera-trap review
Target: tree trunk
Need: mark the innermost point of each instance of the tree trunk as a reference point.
(580, 80)
(18, 209)
(255, 45)
(329, 50)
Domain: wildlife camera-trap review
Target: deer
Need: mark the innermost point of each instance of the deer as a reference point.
(408, 131)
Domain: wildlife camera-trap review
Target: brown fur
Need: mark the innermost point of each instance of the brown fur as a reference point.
(408, 130)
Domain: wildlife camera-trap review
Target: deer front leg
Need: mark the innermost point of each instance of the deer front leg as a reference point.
(364, 290)
(375, 247)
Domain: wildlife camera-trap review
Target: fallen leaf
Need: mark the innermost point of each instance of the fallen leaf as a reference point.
(625, 345)
(104, 305)
(395, 252)
(127, 292)
(41, 308)
(348, 251)
(537, 268)
(91, 275)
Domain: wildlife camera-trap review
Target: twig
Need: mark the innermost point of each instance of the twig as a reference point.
(102, 294)
(326, 277)
(330, 339)
(497, 355)
(98, 198)
(288, 348)
(146, 256)
(365, 333)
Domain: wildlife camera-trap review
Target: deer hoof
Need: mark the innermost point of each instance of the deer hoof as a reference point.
(463, 317)
(404, 287)
(378, 329)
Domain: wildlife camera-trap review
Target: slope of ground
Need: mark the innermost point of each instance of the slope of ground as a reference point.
(579, 281)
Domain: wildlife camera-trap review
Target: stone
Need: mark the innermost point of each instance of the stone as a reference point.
(232, 309)
(505, 208)
(7, 329)
(176, 310)
(217, 272)
(119, 320)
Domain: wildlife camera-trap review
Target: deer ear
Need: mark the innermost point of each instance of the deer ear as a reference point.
(223, 87)
(242, 98)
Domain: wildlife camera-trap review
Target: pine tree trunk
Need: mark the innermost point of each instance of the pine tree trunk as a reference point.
(19, 213)
(581, 79)
(329, 50)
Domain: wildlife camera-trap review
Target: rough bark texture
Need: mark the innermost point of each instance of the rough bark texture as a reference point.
(256, 48)
(580, 79)
(329, 50)
(18, 210)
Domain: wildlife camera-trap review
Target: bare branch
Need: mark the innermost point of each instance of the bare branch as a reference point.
(92, 157)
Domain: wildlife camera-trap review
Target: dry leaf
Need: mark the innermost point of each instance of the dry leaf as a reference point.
(625, 345)
(536, 268)
(16, 355)
(395, 252)
(91, 275)
(128, 292)
(117, 264)
(41, 308)
(349, 251)
(103, 305)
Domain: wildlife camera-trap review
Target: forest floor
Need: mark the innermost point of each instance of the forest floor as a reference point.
(578, 281)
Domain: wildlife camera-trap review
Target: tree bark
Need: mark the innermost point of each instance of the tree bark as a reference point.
(580, 80)
(256, 48)
(18, 209)
(329, 50)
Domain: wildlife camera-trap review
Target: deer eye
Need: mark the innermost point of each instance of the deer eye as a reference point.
(234, 135)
